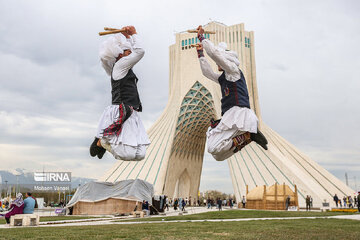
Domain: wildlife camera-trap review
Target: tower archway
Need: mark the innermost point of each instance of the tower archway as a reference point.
(182, 186)
(187, 151)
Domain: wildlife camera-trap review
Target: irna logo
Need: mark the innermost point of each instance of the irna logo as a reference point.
(52, 176)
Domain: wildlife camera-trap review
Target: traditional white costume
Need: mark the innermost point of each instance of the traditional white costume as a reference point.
(120, 128)
(237, 117)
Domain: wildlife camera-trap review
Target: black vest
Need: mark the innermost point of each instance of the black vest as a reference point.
(125, 91)
(233, 93)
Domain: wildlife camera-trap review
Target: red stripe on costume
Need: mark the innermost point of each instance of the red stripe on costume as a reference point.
(236, 94)
(116, 127)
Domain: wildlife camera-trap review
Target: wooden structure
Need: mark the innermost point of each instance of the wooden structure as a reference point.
(110, 206)
(271, 197)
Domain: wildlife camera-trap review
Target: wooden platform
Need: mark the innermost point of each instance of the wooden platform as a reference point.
(270, 197)
(111, 206)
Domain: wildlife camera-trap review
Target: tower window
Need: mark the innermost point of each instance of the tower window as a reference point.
(192, 40)
(185, 42)
(182, 43)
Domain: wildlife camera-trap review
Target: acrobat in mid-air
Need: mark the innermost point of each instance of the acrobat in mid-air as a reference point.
(239, 124)
(120, 130)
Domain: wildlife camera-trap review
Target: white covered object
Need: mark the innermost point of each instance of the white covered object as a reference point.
(127, 189)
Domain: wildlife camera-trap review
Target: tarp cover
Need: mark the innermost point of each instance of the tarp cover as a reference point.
(127, 189)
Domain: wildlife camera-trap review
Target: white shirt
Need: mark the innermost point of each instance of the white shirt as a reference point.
(232, 72)
(122, 66)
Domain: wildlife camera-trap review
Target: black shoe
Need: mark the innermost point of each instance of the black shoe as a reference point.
(101, 153)
(260, 139)
(94, 148)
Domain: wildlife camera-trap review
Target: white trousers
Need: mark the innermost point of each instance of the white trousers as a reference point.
(236, 121)
(125, 152)
(131, 144)
(220, 143)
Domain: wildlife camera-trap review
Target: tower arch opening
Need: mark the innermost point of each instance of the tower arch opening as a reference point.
(196, 111)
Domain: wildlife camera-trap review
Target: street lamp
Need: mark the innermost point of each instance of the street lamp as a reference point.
(17, 184)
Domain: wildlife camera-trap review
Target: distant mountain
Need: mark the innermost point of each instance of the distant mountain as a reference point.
(22, 177)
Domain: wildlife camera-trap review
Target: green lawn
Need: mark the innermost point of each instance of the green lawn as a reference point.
(231, 214)
(268, 229)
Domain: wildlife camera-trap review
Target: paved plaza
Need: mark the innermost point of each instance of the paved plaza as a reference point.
(108, 220)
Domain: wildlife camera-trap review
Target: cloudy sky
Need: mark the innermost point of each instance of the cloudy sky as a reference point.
(53, 89)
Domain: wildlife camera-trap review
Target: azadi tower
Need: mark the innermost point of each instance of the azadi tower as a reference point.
(175, 157)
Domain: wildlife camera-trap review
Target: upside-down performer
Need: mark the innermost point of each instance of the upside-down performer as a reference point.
(238, 125)
(120, 130)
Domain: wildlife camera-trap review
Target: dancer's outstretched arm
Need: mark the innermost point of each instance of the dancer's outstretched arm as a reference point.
(205, 66)
(125, 63)
(218, 55)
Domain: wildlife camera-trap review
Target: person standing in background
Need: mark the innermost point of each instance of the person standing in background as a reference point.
(167, 203)
(243, 201)
(183, 204)
(307, 203)
(336, 200)
(287, 202)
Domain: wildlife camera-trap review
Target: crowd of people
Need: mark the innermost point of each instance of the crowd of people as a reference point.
(178, 203)
(20, 206)
(347, 201)
(181, 203)
(219, 203)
